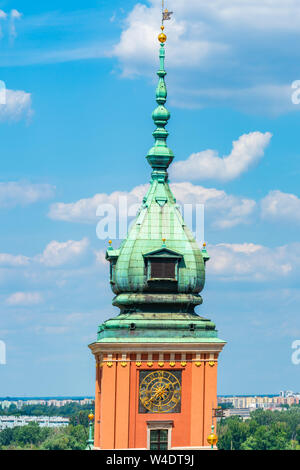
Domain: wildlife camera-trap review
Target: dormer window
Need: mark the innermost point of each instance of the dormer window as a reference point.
(163, 269)
(162, 265)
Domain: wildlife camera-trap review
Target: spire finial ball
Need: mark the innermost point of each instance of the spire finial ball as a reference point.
(162, 38)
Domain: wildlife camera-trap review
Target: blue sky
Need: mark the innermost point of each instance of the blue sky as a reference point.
(74, 132)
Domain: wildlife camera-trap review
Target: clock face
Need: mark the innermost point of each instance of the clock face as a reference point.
(160, 391)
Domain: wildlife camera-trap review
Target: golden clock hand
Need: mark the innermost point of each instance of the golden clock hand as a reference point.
(163, 389)
(146, 402)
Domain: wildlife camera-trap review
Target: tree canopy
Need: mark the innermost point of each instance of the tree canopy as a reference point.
(265, 430)
(32, 436)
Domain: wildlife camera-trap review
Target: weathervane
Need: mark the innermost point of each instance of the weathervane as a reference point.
(166, 14)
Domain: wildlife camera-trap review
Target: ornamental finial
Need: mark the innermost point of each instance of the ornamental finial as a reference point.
(212, 438)
(162, 37)
(160, 156)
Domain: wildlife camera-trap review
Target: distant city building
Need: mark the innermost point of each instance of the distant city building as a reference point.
(43, 421)
(241, 412)
(265, 402)
(5, 403)
(288, 393)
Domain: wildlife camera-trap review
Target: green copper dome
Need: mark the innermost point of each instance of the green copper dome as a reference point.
(158, 218)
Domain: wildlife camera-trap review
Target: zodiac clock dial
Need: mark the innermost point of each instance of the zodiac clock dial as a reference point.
(160, 391)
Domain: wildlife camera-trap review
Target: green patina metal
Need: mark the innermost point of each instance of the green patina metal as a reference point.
(160, 156)
(158, 310)
(90, 441)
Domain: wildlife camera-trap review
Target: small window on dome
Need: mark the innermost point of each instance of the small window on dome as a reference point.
(162, 265)
(163, 269)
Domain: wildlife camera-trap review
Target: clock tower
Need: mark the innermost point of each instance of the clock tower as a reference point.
(156, 362)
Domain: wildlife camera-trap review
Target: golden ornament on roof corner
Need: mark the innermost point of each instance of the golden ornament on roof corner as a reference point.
(212, 439)
(91, 417)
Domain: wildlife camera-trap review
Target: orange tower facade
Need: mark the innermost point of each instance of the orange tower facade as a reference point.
(180, 419)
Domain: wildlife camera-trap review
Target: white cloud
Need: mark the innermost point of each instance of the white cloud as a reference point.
(14, 15)
(24, 299)
(3, 16)
(281, 206)
(255, 14)
(226, 210)
(21, 193)
(201, 23)
(270, 99)
(137, 41)
(57, 254)
(246, 248)
(250, 262)
(17, 106)
(246, 151)
(227, 50)
(12, 260)
(84, 210)
(100, 257)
